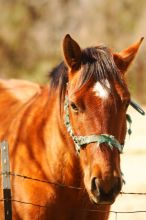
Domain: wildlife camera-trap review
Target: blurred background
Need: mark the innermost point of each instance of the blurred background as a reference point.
(31, 34)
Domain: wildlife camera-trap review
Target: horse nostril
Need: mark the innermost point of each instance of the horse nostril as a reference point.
(105, 190)
(112, 192)
(94, 184)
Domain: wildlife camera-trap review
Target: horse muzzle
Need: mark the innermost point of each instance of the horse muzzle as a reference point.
(105, 191)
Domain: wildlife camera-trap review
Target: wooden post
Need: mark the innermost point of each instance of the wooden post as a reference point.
(6, 183)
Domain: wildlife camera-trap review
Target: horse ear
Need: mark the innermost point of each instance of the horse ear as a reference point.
(72, 53)
(125, 57)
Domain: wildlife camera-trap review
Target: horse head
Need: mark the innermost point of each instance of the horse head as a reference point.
(97, 98)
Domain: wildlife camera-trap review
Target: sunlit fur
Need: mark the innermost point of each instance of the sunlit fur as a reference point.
(32, 121)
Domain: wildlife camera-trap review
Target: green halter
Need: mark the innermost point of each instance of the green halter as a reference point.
(128, 118)
(137, 107)
(80, 141)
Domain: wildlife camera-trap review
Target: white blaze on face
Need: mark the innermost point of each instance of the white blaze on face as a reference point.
(100, 90)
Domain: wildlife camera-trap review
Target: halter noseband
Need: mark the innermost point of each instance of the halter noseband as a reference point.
(80, 141)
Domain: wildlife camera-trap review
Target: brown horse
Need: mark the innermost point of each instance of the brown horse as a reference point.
(69, 135)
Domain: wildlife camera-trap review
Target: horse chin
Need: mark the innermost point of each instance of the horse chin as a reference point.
(94, 200)
(98, 201)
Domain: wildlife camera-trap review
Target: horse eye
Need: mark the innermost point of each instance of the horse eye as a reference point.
(74, 107)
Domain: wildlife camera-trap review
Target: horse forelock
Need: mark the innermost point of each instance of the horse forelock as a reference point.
(97, 63)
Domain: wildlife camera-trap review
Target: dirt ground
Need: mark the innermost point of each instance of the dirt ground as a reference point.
(133, 164)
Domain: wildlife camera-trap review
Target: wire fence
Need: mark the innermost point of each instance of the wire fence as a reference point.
(8, 198)
(62, 185)
(116, 213)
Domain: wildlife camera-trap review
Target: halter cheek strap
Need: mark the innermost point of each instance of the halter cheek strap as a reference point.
(128, 117)
(129, 120)
(80, 141)
(137, 107)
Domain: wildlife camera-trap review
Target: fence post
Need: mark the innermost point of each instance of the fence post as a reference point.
(6, 184)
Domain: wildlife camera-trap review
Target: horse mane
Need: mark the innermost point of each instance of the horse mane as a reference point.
(97, 62)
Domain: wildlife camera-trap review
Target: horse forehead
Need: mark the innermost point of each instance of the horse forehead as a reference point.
(100, 90)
